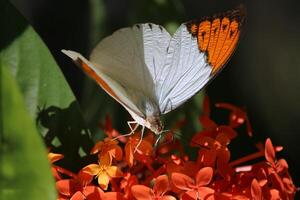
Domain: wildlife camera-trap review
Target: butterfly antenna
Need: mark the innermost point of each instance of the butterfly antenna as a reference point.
(140, 141)
(157, 141)
(159, 137)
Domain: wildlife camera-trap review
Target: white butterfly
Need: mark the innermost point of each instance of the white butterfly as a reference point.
(150, 73)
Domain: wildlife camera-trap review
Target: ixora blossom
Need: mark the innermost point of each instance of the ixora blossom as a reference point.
(160, 187)
(103, 171)
(131, 168)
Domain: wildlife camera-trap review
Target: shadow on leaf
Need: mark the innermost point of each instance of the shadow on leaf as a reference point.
(64, 132)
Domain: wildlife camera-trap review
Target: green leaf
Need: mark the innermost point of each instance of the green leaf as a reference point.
(29, 60)
(25, 171)
(46, 93)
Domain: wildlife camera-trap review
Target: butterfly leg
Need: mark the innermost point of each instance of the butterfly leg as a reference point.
(132, 130)
(142, 135)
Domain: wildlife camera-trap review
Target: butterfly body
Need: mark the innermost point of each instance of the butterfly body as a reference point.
(152, 122)
(150, 73)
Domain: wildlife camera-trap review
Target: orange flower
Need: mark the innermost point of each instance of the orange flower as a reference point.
(214, 146)
(109, 147)
(137, 148)
(53, 157)
(103, 171)
(210, 177)
(127, 182)
(113, 196)
(88, 193)
(78, 187)
(160, 188)
(195, 189)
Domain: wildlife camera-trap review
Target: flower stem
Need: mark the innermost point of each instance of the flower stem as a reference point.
(246, 158)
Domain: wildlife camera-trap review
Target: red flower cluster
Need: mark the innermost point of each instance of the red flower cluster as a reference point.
(133, 169)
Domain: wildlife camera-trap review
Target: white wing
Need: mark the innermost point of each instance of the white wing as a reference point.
(151, 73)
(185, 72)
(129, 61)
(108, 84)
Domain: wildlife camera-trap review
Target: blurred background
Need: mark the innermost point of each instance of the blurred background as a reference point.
(263, 76)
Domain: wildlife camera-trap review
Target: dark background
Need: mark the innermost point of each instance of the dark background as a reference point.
(263, 75)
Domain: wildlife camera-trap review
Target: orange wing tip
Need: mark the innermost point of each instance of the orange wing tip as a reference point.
(217, 35)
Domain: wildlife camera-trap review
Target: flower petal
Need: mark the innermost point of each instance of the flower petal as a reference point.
(141, 192)
(204, 176)
(161, 185)
(93, 192)
(145, 148)
(274, 194)
(168, 197)
(207, 157)
(113, 196)
(202, 140)
(114, 172)
(78, 196)
(65, 187)
(129, 154)
(269, 152)
(207, 123)
(97, 147)
(281, 166)
(105, 159)
(103, 180)
(229, 132)
(182, 181)
(222, 138)
(190, 195)
(92, 169)
(84, 178)
(222, 161)
(256, 192)
(53, 157)
(116, 152)
(289, 185)
(206, 193)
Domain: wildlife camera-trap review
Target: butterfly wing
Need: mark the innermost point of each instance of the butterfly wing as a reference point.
(197, 52)
(113, 88)
(126, 65)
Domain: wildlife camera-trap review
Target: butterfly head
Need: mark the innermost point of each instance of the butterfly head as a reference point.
(155, 124)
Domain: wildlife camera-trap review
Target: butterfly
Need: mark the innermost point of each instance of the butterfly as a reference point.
(150, 73)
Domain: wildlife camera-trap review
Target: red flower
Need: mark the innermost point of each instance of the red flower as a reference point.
(53, 157)
(237, 116)
(113, 196)
(127, 182)
(278, 173)
(197, 189)
(110, 147)
(256, 191)
(78, 188)
(138, 147)
(160, 188)
(214, 140)
(210, 177)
